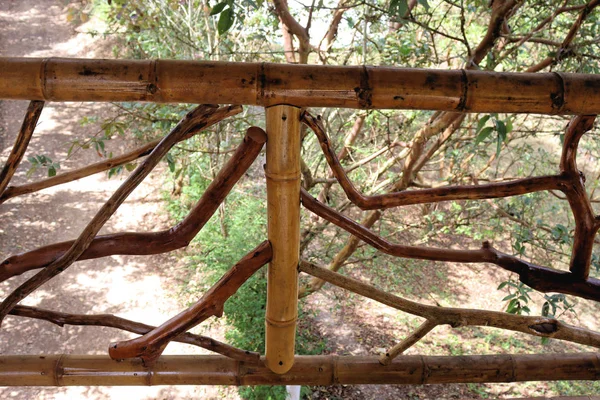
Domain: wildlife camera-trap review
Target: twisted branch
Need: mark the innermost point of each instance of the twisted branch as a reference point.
(133, 243)
(112, 321)
(538, 277)
(150, 346)
(212, 116)
(187, 124)
(570, 181)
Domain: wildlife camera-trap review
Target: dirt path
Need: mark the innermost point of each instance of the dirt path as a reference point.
(133, 287)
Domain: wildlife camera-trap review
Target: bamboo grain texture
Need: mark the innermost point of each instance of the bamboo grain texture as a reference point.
(74, 370)
(267, 84)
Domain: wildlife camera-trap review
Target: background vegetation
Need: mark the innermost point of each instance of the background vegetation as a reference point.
(384, 150)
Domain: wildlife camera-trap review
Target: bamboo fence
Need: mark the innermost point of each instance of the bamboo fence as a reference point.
(284, 90)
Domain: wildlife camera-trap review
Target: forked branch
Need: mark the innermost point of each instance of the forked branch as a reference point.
(150, 346)
(134, 243)
(112, 321)
(570, 181)
(212, 115)
(457, 317)
(187, 124)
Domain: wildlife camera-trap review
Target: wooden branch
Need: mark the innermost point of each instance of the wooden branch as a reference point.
(538, 277)
(111, 321)
(300, 85)
(403, 198)
(14, 159)
(290, 23)
(87, 370)
(86, 237)
(213, 115)
(569, 181)
(134, 243)
(342, 256)
(500, 10)
(150, 346)
(566, 43)
(457, 317)
(586, 225)
(407, 343)
(344, 151)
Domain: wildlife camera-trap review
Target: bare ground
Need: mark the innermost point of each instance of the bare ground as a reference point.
(139, 288)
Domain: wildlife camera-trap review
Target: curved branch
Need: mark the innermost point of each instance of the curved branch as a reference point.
(112, 321)
(150, 346)
(403, 198)
(133, 243)
(187, 124)
(457, 317)
(500, 10)
(563, 51)
(538, 277)
(586, 225)
(212, 116)
(14, 159)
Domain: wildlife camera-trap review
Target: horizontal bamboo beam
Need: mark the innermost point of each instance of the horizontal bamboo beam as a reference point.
(96, 370)
(266, 84)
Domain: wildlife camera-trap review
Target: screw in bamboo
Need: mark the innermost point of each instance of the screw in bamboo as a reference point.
(282, 171)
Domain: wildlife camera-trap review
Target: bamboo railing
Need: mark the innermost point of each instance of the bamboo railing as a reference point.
(283, 90)
(264, 84)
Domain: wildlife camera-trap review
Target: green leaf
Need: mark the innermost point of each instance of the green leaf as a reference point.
(502, 285)
(225, 21)
(510, 296)
(481, 123)
(170, 162)
(51, 171)
(509, 125)
(129, 167)
(218, 8)
(484, 134)
(425, 4)
(399, 8)
(546, 309)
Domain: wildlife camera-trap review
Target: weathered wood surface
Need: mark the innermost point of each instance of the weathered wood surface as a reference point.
(71, 370)
(266, 84)
(151, 345)
(146, 243)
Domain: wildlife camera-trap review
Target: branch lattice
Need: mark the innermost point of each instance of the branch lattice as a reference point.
(56, 258)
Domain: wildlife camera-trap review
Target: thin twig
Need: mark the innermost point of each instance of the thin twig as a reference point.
(187, 124)
(112, 321)
(14, 159)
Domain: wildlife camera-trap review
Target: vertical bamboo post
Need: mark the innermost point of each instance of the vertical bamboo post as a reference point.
(282, 171)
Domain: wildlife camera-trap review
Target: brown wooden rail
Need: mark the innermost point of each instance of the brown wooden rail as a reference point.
(268, 84)
(71, 370)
